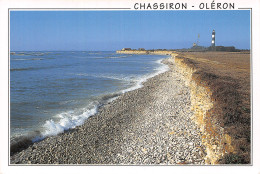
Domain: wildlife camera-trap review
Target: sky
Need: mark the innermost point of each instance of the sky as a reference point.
(114, 30)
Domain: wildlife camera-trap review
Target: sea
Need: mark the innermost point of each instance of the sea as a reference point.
(53, 91)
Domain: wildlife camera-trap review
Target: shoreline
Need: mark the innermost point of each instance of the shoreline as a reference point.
(109, 137)
(209, 92)
(23, 142)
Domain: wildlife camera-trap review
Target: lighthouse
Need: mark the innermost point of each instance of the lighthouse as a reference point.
(213, 39)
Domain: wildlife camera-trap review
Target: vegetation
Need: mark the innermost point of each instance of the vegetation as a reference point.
(227, 76)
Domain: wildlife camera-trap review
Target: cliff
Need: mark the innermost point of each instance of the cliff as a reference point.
(217, 142)
(220, 95)
(216, 103)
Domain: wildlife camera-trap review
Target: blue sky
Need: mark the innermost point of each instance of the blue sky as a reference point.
(113, 30)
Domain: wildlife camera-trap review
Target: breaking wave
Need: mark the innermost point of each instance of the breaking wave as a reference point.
(140, 80)
(68, 120)
(73, 118)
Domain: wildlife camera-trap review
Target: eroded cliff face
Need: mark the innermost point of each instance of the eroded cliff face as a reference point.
(214, 138)
(217, 142)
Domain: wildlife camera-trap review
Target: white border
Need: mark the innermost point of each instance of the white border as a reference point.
(4, 168)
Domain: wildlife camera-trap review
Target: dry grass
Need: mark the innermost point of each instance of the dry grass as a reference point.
(227, 75)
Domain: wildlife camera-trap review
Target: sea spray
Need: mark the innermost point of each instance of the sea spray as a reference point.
(68, 120)
(60, 91)
(139, 81)
(71, 119)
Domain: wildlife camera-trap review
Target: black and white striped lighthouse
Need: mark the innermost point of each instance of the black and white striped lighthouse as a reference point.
(213, 39)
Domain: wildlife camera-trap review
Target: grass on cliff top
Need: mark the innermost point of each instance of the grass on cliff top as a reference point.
(227, 75)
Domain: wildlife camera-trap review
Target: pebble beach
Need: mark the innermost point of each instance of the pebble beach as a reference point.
(151, 125)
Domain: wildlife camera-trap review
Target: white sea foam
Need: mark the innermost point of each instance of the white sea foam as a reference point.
(19, 59)
(116, 57)
(28, 59)
(67, 120)
(132, 78)
(140, 80)
(71, 119)
(109, 76)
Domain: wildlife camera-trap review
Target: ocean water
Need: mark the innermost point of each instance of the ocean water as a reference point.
(51, 92)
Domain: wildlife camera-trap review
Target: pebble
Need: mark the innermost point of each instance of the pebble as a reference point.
(150, 125)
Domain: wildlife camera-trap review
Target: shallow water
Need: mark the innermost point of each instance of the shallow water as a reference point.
(54, 91)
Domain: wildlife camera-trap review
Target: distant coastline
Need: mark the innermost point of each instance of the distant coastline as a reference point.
(119, 136)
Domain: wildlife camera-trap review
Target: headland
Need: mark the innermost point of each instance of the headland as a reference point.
(198, 112)
(220, 90)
